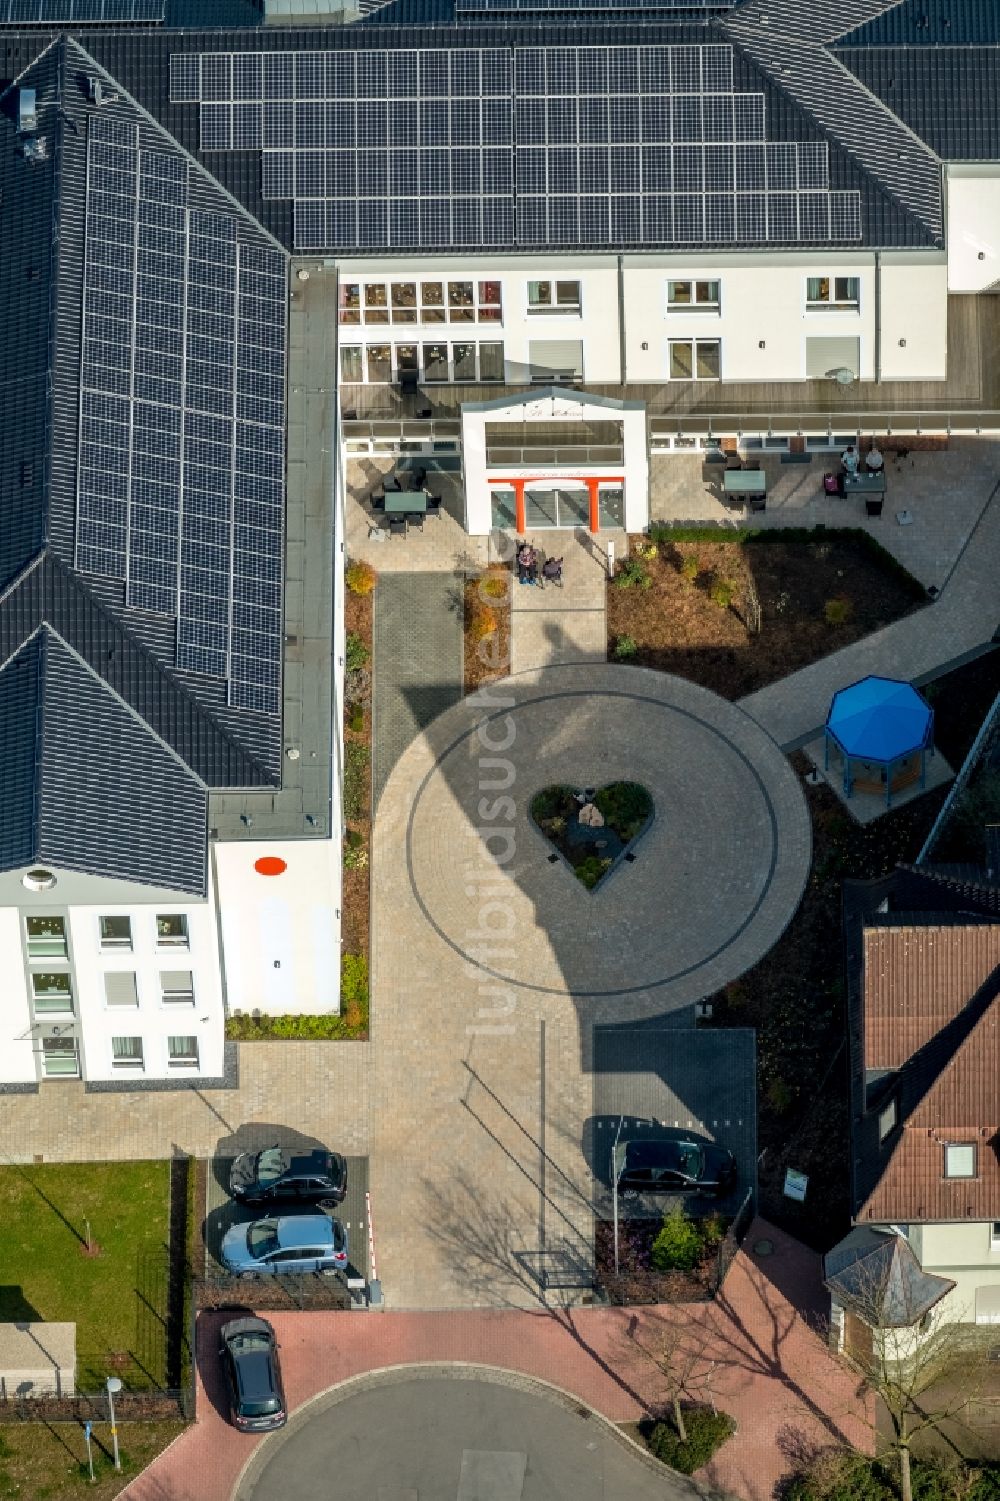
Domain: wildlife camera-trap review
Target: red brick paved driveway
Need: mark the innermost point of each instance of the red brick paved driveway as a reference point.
(773, 1373)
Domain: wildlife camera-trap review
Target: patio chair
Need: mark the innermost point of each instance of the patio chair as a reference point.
(434, 506)
(378, 500)
(416, 520)
(397, 526)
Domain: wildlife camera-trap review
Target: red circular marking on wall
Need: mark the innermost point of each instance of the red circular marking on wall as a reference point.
(270, 865)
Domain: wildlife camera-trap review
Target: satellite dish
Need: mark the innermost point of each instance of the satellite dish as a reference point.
(842, 376)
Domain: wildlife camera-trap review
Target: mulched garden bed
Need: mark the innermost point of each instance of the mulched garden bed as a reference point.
(486, 607)
(814, 596)
(355, 907)
(637, 1281)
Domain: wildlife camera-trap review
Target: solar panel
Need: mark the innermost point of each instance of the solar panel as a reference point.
(442, 148)
(79, 12)
(182, 414)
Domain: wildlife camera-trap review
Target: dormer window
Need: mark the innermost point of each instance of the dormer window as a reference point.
(960, 1159)
(887, 1118)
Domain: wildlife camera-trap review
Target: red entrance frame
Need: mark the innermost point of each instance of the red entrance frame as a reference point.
(593, 483)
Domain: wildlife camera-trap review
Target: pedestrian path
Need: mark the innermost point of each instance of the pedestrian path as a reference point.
(551, 625)
(418, 662)
(957, 626)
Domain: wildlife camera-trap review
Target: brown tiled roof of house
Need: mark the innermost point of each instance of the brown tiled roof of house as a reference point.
(916, 979)
(916, 982)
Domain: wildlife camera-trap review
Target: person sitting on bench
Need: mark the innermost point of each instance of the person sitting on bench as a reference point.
(874, 462)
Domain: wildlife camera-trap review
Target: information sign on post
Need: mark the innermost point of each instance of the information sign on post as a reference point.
(795, 1185)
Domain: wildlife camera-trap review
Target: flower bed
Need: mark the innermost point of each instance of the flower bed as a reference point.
(355, 905)
(639, 1281)
(486, 617)
(619, 813)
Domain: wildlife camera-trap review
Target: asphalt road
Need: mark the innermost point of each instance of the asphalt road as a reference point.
(440, 1437)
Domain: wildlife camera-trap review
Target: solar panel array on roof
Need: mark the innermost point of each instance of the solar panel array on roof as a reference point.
(79, 12)
(673, 9)
(181, 473)
(553, 146)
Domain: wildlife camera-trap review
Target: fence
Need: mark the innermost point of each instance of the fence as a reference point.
(984, 743)
(279, 1294)
(130, 1407)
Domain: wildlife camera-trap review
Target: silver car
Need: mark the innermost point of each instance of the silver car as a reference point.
(285, 1244)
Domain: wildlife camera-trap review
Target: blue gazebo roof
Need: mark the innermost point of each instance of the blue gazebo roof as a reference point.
(880, 719)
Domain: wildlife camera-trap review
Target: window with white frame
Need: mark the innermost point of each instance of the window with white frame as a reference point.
(829, 442)
(46, 937)
(833, 291)
(177, 987)
(412, 301)
(554, 297)
(116, 932)
(171, 930)
(52, 990)
(695, 359)
(959, 1159)
(692, 296)
(436, 363)
(182, 1052)
(126, 1052)
(120, 988)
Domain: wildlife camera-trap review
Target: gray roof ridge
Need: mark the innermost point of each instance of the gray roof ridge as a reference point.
(862, 144)
(18, 579)
(770, 13)
(198, 167)
(135, 644)
(50, 634)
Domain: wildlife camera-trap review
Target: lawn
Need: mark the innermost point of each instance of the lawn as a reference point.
(118, 1294)
(47, 1462)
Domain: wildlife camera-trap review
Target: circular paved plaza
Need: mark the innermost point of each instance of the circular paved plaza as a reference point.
(715, 880)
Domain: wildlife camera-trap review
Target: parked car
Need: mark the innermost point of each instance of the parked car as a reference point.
(249, 1353)
(275, 1176)
(285, 1244)
(675, 1165)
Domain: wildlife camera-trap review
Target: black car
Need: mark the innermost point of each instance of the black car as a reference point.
(681, 1165)
(277, 1177)
(249, 1353)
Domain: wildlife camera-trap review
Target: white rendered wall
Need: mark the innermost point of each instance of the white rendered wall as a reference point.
(280, 933)
(17, 1057)
(963, 1252)
(914, 308)
(973, 226)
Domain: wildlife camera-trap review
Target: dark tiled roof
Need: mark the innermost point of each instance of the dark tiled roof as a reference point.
(956, 23)
(880, 1279)
(947, 95)
(812, 20)
(89, 782)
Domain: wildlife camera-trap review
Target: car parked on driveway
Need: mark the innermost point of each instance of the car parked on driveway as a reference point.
(248, 1350)
(685, 1164)
(277, 1177)
(285, 1245)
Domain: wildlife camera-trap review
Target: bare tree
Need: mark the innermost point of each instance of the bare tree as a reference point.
(680, 1351)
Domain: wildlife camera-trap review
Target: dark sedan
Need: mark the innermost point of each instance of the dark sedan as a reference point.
(675, 1166)
(275, 1176)
(249, 1353)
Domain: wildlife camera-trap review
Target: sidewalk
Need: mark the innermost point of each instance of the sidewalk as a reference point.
(774, 1374)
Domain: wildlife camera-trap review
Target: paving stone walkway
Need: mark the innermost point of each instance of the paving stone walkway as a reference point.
(959, 624)
(418, 662)
(551, 624)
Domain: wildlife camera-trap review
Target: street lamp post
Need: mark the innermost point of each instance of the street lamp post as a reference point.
(113, 1385)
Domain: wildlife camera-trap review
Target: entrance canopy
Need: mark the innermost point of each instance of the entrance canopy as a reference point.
(881, 720)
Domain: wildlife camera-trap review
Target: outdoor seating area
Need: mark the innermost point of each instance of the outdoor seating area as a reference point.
(402, 501)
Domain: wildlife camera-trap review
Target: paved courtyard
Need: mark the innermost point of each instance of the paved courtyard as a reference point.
(492, 966)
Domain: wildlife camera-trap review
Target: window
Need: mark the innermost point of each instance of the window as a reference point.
(350, 302)
(120, 988)
(406, 358)
(403, 296)
(887, 1120)
(461, 303)
(379, 357)
(491, 362)
(177, 986)
(435, 362)
(126, 1052)
(46, 937)
(351, 369)
(995, 1236)
(376, 303)
(59, 1057)
(554, 297)
(182, 1052)
(489, 303)
(432, 302)
(832, 291)
(424, 302)
(465, 361)
(171, 930)
(52, 991)
(693, 296)
(829, 442)
(960, 1159)
(695, 359)
(116, 932)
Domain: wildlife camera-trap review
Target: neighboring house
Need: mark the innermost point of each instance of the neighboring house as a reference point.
(924, 1018)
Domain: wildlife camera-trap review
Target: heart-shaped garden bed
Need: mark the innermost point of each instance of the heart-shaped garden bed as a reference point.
(593, 828)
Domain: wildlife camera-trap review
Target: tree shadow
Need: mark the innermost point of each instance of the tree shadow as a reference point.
(78, 1237)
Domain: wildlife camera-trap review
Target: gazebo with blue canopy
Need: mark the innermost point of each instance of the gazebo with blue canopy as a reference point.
(880, 723)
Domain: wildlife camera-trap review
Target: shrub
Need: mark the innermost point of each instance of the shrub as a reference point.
(839, 1475)
(360, 577)
(355, 780)
(707, 1431)
(779, 1096)
(721, 593)
(625, 647)
(838, 611)
(551, 802)
(633, 574)
(483, 623)
(494, 586)
(678, 1246)
(355, 859)
(357, 685)
(356, 718)
(625, 806)
(590, 870)
(355, 651)
(690, 568)
(647, 550)
(354, 839)
(354, 979)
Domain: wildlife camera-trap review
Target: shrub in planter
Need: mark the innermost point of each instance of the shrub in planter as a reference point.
(633, 574)
(356, 718)
(484, 623)
(355, 859)
(625, 647)
(707, 1431)
(721, 593)
(357, 685)
(690, 569)
(355, 780)
(678, 1246)
(590, 870)
(355, 651)
(625, 806)
(360, 577)
(494, 586)
(838, 611)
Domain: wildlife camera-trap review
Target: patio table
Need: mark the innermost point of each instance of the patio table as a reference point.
(406, 502)
(744, 482)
